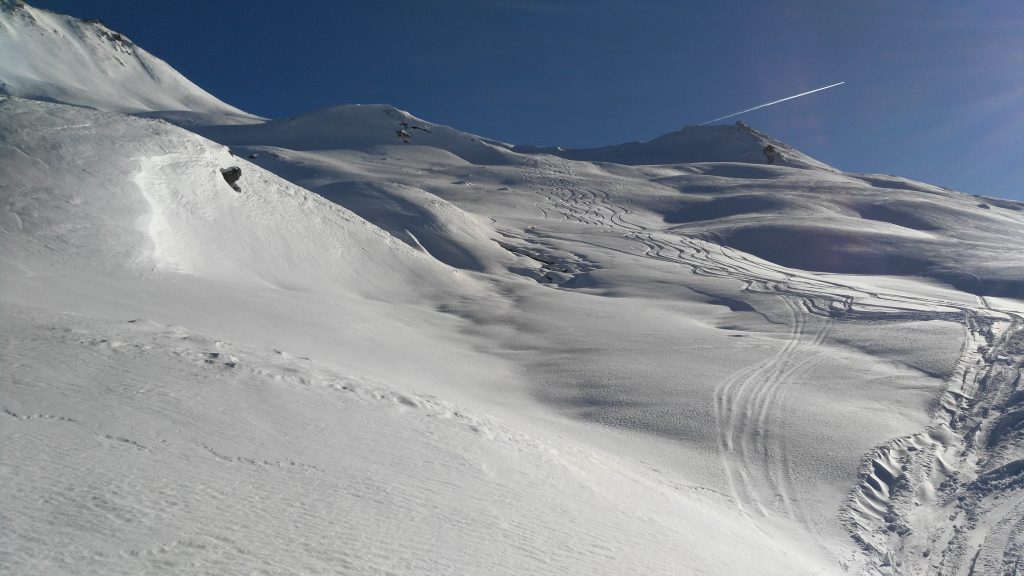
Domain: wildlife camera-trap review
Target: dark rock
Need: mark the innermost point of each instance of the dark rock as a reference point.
(231, 176)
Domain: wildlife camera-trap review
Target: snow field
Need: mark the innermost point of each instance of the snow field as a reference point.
(179, 450)
(399, 348)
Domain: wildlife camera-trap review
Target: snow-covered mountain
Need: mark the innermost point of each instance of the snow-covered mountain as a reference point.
(393, 347)
(718, 143)
(713, 183)
(364, 127)
(48, 56)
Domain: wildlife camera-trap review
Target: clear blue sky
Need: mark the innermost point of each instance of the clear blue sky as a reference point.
(934, 89)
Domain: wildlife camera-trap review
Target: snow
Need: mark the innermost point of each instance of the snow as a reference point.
(453, 355)
(53, 57)
(716, 143)
(329, 385)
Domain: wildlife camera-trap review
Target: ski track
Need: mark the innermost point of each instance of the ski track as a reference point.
(747, 405)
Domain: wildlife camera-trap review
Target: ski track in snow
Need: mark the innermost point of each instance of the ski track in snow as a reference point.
(881, 510)
(746, 402)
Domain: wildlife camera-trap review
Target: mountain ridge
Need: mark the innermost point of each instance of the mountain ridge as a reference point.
(713, 143)
(82, 62)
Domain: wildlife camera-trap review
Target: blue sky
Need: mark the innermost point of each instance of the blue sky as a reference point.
(934, 89)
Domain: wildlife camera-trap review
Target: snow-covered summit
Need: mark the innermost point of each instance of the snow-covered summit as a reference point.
(363, 127)
(49, 56)
(716, 143)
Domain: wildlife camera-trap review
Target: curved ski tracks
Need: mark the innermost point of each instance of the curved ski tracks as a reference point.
(898, 479)
(746, 405)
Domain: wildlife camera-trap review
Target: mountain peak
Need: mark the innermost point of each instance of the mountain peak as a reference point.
(711, 143)
(58, 58)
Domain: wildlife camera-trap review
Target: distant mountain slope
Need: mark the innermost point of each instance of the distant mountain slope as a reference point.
(849, 223)
(48, 56)
(719, 143)
(797, 212)
(363, 127)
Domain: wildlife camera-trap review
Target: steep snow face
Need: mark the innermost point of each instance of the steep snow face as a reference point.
(59, 58)
(717, 143)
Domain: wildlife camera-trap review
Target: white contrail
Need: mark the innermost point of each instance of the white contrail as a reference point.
(775, 102)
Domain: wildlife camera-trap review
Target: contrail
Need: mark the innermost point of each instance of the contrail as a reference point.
(775, 102)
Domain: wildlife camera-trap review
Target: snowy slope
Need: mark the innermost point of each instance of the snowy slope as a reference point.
(263, 391)
(400, 348)
(167, 207)
(850, 223)
(59, 58)
(797, 213)
(638, 234)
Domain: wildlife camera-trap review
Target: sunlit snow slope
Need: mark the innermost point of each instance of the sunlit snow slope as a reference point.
(710, 182)
(398, 348)
(202, 379)
(854, 424)
(59, 58)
